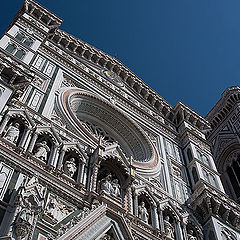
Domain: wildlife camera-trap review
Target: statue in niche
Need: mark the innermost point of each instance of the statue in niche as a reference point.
(70, 167)
(190, 235)
(106, 185)
(13, 132)
(42, 150)
(142, 212)
(168, 228)
(115, 188)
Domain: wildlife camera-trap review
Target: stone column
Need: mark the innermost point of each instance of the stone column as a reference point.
(24, 137)
(84, 178)
(4, 123)
(53, 155)
(79, 174)
(60, 160)
(155, 217)
(32, 143)
(178, 230)
(82, 172)
(184, 231)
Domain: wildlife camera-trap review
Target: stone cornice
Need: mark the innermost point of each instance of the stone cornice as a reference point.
(210, 202)
(223, 107)
(183, 112)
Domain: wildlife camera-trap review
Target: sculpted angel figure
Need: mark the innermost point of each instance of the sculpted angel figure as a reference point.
(142, 212)
(70, 167)
(42, 150)
(12, 133)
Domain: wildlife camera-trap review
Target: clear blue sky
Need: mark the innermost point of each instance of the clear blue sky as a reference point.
(186, 50)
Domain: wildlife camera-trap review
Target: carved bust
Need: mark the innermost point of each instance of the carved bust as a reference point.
(70, 167)
(42, 150)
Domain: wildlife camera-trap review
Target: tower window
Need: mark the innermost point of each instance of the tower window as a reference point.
(20, 36)
(27, 41)
(20, 53)
(11, 48)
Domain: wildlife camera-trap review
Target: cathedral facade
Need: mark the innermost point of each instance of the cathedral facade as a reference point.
(89, 151)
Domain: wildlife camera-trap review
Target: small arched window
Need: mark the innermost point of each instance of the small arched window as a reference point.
(205, 160)
(28, 42)
(195, 175)
(199, 156)
(20, 36)
(20, 53)
(189, 154)
(11, 48)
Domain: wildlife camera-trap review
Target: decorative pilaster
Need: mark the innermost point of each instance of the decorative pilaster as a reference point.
(130, 200)
(135, 195)
(94, 177)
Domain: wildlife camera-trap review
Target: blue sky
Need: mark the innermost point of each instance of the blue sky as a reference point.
(186, 50)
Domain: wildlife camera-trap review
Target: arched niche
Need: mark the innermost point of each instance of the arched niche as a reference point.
(78, 106)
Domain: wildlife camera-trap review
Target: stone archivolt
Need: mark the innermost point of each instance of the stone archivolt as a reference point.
(78, 104)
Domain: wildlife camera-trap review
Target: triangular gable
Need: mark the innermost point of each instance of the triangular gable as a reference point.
(96, 225)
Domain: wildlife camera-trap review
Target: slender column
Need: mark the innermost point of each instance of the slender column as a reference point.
(179, 231)
(79, 175)
(82, 180)
(155, 217)
(33, 141)
(24, 137)
(136, 204)
(4, 123)
(53, 155)
(184, 231)
(60, 160)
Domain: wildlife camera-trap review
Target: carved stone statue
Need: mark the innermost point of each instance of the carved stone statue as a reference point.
(24, 220)
(70, 167)
(190, 235)
(142, 212)
(42, 150)
(12, 133)
(168, 228)
(106, 185)
(115, 188)
(26, 214)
